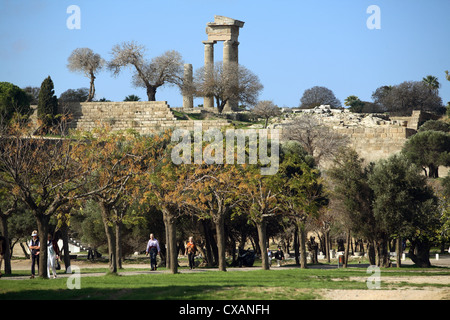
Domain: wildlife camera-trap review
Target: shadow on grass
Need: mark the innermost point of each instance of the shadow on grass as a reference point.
(143, 293)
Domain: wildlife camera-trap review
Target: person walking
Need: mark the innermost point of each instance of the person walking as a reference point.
(90, 253)
(191, 249)
(35, 246)
(279, 255)
(152, 250)
(52, 255)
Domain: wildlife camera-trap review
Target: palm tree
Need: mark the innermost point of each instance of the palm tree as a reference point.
(432, 83)
(132, 97)
(447, 75)
(355, 104)
(350, 99)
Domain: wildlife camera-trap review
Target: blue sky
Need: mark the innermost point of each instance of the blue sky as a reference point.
(292, 45)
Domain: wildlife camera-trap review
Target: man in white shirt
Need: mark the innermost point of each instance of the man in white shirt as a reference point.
(152, 250)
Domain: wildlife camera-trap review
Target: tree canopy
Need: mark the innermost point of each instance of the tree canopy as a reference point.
(84, 60)
(405, 205)
(13, 100)
(407, 96)
(47, 107)
(266, 109)
(429, 149)
(317, 96)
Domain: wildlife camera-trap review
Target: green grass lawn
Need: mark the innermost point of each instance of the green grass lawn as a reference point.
(281, 284)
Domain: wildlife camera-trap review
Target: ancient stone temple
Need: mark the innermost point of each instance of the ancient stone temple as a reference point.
(226, 30)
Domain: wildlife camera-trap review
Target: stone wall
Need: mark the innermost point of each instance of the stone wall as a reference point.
(416, 119)
(373, 136)
(411, 122)
(377, 143)
(146, 117)
(374, 143)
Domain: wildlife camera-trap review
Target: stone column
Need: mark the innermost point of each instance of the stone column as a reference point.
(230, 54)
(230, 51)
(188, 98)
(208, 102)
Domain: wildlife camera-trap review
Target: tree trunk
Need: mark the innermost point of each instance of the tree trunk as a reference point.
(171, 236)
(110, 236)
(327, 245)
(220, 233)
(91, 89)
(208, 249)
(296, 247)
(233, 249)
(383, 252)
(42, 221)
(302, 242)
(118, 244)
(347, 249)
(398, 250)
(25, 252)
(221, 105)
(166, 229)
(261, 227)
(151, 93)
(433, 171)
(419, 253)
(7, 253)
(371, 252)
(173, 247)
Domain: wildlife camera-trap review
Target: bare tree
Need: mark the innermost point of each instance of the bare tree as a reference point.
(86, 61)
(166, 69)
(229, 82)
(266, 109)
(317, 139)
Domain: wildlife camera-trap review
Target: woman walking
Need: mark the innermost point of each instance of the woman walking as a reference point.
(52, 255)
(152, 250)
(191, 249)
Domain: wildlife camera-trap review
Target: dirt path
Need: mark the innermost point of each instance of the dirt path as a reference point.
(390, 291)
(403, 293)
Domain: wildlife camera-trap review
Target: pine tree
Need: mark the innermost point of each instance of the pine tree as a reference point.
(47, 103)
